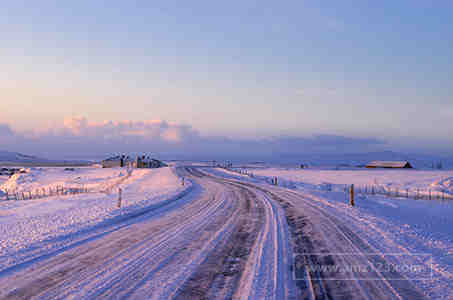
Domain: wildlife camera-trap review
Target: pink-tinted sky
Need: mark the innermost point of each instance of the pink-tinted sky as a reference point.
(241, 72)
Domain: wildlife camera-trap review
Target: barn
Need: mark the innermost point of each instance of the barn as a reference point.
(116, 161)
(144, 161)
(389, 165)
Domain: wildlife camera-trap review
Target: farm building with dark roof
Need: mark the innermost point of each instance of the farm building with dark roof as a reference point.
(390, 164)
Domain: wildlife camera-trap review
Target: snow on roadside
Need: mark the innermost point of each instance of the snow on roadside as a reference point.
(401, 179)
(35, 225)
(405, 226)
(45, 178)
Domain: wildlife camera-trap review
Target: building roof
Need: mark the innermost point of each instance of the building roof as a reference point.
(118, 158)
(389, 164)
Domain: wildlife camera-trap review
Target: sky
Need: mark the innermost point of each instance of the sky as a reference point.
(231, 76)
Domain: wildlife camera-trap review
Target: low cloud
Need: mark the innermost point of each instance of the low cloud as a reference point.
(80, 138)
(154, 130)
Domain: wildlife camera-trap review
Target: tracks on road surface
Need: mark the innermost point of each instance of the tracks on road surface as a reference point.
(320, 240)
(231, 242)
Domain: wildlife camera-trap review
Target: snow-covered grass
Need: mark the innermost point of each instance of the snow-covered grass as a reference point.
(391, 225)
(412, 180)
(38, 178)
(29, 227)
(401, 178)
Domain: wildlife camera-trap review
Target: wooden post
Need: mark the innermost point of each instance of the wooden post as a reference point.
(429, 194)
(183, 181)
(351, 199)
(120, 192)
(276, 182)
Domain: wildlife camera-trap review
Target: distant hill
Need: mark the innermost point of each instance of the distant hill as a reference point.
(6, 156)
(18, 159)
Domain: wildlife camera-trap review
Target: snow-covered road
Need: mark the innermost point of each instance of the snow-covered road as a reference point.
(222, 239)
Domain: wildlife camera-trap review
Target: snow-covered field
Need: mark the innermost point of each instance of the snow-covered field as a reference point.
(421, 182)
(32, 227)
(414, 228)
(38, 178)
(392, 178)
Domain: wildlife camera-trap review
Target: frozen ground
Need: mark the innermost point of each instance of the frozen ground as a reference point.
(220, 240)
(416, 229)
(213, 238)
(38, 178)
(421, 181)
(33, 227)
(393, 178)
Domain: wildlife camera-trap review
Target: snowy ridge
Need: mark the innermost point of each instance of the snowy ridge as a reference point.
(18, 157)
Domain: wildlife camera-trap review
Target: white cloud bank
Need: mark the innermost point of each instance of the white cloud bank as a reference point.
(80, 138)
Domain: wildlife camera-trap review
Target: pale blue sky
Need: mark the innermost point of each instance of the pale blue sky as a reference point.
(368, 69)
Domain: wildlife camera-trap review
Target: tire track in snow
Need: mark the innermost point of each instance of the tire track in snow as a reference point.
(156, 258)
(267, 272)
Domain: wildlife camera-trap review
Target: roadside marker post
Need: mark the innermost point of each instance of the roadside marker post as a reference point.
(351, 199)
(120, 192)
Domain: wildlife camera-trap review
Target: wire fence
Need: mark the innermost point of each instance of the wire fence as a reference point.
(418, 193)
(39, 193)
(373, 189)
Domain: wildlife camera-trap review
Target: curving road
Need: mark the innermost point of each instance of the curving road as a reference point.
(225, 240)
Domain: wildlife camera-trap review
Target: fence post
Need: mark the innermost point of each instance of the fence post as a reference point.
(429, 194)
(351, 199)
(183, 181)
(120, 191)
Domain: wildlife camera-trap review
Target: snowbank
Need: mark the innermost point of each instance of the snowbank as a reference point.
(444, 185)
(437, 180)
(45, 178)
(29, 228)
(416, 229)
